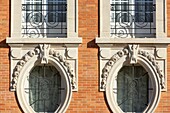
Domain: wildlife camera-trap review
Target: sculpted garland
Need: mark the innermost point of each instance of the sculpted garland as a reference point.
(43, 51)
(132, 52)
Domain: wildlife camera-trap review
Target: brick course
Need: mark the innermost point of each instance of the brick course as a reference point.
(88, 99)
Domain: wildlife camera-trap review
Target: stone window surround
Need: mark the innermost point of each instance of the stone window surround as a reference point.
(65, 49)
(16, 18)
(151, 53)
(114, 52)
(68, 45)
(107, 43)
(60, 52)
(154, 98)
(20, 92)
(155, 47)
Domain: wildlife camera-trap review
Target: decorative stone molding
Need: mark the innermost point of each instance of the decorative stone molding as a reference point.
(64, 51)
(44, 48)
(43, 51)
(110, 64)
(155, 64)
(132, 54)
(133, 50)
(152, 51)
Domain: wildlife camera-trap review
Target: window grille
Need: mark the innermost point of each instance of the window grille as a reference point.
(44, 89)
(133, 89)
(44, 18)
(132, 18)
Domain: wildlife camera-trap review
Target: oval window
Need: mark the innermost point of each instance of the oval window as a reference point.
(43, 89)
(133, 89)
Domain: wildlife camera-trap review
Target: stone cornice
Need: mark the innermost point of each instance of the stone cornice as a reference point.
(157, 41)
(71, 40)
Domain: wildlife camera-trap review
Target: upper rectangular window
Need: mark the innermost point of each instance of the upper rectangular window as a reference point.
(44, 18)
(132, 18)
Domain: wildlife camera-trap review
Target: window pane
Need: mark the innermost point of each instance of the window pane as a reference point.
(132, 18)
(44, 89)
(44, 18)
(132, 89)
(57, 11)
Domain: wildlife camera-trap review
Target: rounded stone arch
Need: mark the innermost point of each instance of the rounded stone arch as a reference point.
(116, 62)
(23, 76)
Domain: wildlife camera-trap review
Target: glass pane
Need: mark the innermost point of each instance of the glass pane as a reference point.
(44, 89)
(132, 89)
(144, 10)
(132, 18)
(33, 10)
(44, 18)
(57, 11)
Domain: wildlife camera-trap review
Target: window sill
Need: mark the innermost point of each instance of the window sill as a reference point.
(103, 40)
(72, 40)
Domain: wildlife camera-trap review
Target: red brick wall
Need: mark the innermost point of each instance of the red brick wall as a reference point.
(168, 16)
(8, 102)
(88, 99)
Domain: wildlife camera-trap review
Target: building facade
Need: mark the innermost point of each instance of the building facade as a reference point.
(92, 56)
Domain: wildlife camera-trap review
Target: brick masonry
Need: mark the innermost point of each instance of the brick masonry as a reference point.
(88, 99)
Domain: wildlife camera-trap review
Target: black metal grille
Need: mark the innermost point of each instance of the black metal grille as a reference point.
(133, 89)
(44, 89)
(133, 20)
(44, 20)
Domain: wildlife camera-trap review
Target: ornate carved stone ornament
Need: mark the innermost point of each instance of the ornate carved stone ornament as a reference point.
(132, 53)
(44, 52)
(44, 48)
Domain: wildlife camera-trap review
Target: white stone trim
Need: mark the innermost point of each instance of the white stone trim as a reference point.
(72, 18)
(16, 18)
(127, 53)
(65, 53)
(71, 40)
(154, 46)
(151, 41)
(160, 19)
(44, 59)
(104, 18)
